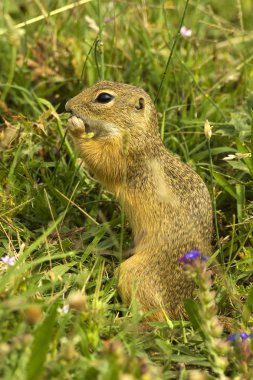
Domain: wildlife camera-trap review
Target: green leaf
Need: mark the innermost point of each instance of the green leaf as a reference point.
(192, 309)
(239, 165)
(42, 338)
(224, 184)
(243, 149)
(61, 269)
(241, 122)
(240, 191)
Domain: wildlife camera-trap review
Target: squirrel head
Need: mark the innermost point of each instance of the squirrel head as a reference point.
(114, 127)
(110, 109)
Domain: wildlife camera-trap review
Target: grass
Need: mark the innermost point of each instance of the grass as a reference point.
(60, 314)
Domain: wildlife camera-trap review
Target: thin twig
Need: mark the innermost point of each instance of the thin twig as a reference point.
(45, 16)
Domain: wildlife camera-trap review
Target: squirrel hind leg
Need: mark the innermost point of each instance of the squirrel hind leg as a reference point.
(134, 286)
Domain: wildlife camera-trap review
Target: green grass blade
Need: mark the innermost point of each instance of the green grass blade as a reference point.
(192, 310)
(248, 160)
(240, 191)
(42, 338)
(16, 270)
(225, 184)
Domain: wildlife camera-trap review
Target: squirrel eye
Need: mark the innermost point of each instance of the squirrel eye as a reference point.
(104, 97)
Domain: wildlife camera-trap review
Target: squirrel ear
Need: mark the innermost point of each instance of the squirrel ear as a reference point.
(140, 103)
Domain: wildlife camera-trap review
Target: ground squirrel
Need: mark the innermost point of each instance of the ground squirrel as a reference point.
(114, 126)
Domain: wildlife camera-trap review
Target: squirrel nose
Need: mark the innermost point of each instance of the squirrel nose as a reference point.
(67, 107)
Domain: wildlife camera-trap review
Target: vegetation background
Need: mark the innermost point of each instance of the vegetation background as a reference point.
(60, 315)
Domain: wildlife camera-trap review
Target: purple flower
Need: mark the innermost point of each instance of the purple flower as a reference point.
(185, 32)
(192, 256)
(8, 260)
(243, 335)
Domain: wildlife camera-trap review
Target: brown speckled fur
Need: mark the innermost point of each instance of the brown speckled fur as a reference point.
(166, 202)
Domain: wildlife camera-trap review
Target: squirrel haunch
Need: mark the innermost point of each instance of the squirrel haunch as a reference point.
(115, 129)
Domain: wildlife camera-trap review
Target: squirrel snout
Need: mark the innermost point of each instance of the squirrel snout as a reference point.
(67, 107)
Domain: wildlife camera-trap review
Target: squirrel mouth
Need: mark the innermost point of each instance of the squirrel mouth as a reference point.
(82, 126)
(77, 125)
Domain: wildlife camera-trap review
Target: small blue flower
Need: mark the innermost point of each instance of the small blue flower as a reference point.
(192, 256)
(243, 335)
